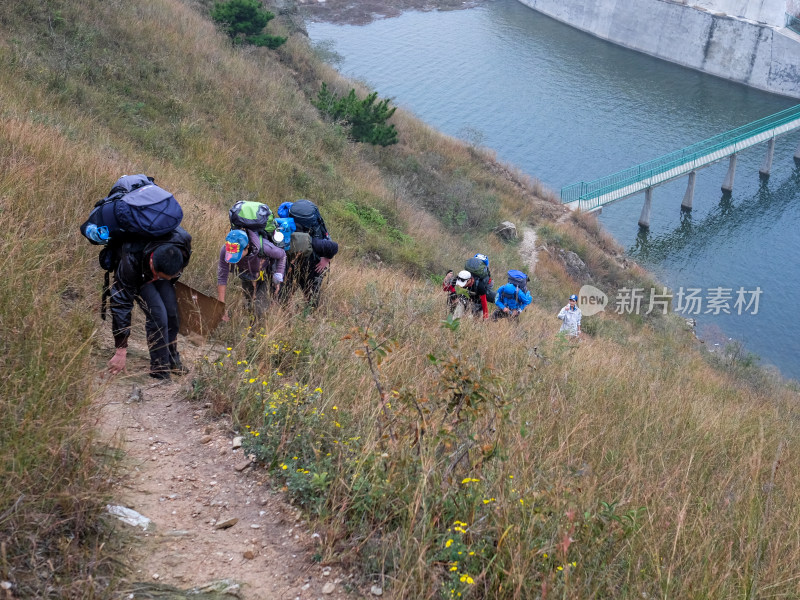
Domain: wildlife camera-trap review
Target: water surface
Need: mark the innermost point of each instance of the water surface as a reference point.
(564, 107)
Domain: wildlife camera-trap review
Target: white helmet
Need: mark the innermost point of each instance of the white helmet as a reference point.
(462, 278)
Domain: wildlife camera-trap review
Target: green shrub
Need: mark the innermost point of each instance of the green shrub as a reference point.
(244, 21)
(366, 118)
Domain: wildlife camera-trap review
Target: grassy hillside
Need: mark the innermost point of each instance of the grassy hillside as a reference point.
(445, 459)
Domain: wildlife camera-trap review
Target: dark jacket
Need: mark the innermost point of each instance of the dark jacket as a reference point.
(324, 248)
(481, 292)
(132, 272)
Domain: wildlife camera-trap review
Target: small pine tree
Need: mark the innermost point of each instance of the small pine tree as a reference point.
(244, 21)
(366, 118)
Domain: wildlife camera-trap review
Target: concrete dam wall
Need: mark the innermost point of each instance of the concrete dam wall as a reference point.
(770, 12)
(742, 49)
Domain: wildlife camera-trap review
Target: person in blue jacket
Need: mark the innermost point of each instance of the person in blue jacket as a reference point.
(512, 298)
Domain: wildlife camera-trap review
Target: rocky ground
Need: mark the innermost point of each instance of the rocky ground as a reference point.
(215, 521)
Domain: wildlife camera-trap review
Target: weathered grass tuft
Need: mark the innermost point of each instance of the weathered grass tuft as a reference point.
(612, 468)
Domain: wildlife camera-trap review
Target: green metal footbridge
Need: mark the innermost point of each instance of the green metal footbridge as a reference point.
(592, 196)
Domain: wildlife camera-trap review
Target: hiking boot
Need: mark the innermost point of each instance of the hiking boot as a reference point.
(178, 369)
(159, 374)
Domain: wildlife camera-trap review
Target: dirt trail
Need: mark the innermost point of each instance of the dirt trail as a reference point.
(527, 249)
(182, 472)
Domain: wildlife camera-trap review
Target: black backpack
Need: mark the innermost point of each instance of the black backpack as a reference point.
(307, 218)
(135, 208)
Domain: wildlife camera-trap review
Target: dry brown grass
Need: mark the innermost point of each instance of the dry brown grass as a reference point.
(681, 453)
(641, 470)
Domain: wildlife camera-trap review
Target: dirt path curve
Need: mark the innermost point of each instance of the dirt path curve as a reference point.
(527, 249)
(182, 472)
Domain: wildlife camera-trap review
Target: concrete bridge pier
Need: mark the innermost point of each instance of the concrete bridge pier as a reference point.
(686, 205)
(767, 166)
(727, 185)
(644, 219)
(797, 153)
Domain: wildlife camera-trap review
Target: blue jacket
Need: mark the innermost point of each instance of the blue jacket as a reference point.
(511, 297)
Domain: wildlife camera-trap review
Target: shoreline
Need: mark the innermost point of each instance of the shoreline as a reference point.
(713, 341)
(363, 12)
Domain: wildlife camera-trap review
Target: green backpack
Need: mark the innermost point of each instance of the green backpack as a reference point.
(477, 267)
(254, 216)
(299, 246)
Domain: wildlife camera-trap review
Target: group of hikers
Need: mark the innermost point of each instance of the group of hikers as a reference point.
(146, 250)
(295, 252)
(471, 290)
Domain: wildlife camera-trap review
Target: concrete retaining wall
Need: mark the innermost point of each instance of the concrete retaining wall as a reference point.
(755, 54)
(770, 12)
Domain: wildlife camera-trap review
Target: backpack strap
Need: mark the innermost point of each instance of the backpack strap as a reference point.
(105, 295)
(506, 294)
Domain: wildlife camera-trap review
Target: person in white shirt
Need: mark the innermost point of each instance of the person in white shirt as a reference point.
(571, 317)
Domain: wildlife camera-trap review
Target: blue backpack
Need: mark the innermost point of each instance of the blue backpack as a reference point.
(283, 209)
(134, 208)
(518, 279)
(520, 282)
(287, 227)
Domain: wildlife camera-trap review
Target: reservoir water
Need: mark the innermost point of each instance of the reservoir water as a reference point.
(565, 107)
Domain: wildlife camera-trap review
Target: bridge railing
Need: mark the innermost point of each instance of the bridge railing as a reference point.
(586, 191)
(793, 23)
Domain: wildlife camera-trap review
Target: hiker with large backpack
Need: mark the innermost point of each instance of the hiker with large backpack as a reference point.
(512, 298)
(147, 250)
(468, 295)
(474, 282)
(251, 251)
(309, 250)
(480, 273)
